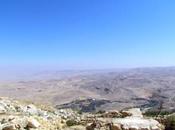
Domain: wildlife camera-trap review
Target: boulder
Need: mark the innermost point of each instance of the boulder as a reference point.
(20, 122)
(137, 123)
(111, 114)
(112, 126)
(2, 110)
(136, 112)
(125, 114)
(13, 122)
(8, 126)
(31, 109)
(33, 123)
(91, 126)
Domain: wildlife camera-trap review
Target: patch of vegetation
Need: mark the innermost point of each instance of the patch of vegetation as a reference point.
(87, 105)
(170, 123)
(100, 112)
(79, 112)
(71, 122)
(154, 113)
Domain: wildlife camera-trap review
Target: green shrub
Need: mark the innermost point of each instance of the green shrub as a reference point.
(71, 122)
(151, 113)
(170, 123)
(100, 112)
(154, 113)
(80, 112)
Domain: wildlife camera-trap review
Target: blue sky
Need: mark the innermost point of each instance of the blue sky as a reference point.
(87, 33)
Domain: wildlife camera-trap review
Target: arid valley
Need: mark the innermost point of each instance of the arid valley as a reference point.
(142, 87)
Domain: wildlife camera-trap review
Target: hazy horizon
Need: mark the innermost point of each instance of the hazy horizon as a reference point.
(27, 74)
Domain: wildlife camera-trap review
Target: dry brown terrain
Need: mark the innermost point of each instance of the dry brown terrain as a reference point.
(145, 87)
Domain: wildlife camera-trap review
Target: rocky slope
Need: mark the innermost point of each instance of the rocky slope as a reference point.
(18, 115)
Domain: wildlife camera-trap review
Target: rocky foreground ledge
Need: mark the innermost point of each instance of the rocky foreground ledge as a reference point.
(17, 115)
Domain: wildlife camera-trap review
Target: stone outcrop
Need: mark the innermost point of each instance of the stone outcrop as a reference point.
(131, 119)
(136, 112)
(15, 115)
(137, 123)
(33, 123)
